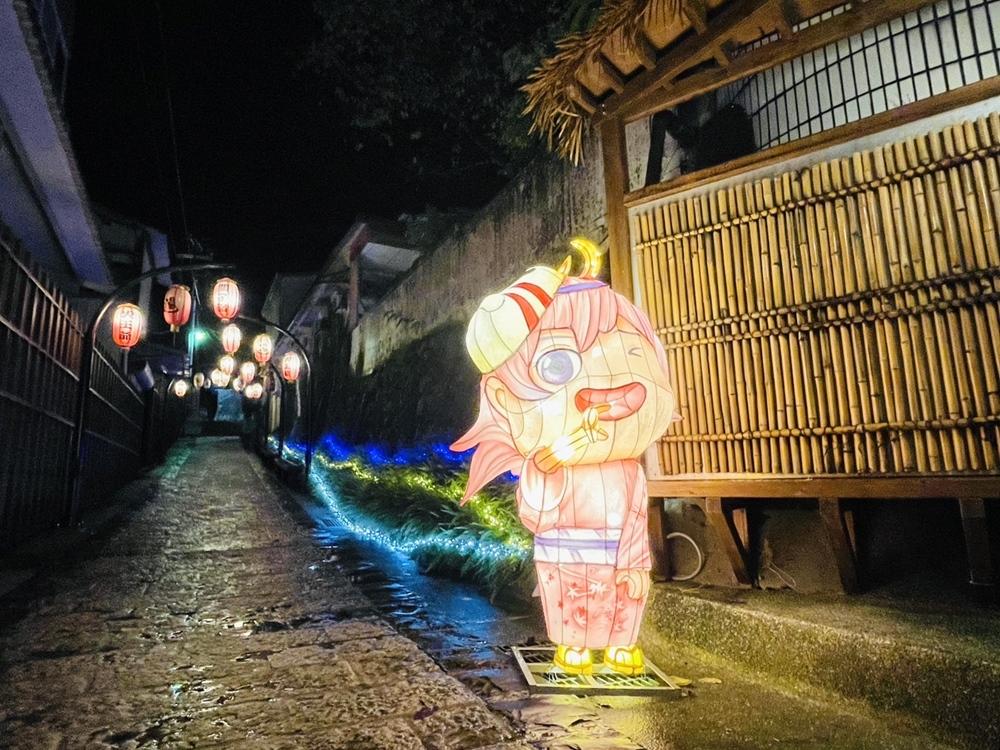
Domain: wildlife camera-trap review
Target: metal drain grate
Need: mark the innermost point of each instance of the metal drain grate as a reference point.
(543, 677)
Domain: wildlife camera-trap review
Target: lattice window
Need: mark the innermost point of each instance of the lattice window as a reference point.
(942, 47)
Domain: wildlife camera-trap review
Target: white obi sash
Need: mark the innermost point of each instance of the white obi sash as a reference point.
(565, 545)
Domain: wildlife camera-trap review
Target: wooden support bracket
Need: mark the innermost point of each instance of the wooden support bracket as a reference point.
(727, 535)
(646, 51)
(658, 541)
(977, 541)
(839, 526)
(694, 11)
(611, 73)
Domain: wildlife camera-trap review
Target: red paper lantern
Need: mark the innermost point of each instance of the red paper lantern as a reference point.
(231, 338)
(177, 306)
(290, 365)
(226, 299)
(181, 388)
(227, 365)
(127, 325)
(263, 348)
(254, 391)
(247, 371)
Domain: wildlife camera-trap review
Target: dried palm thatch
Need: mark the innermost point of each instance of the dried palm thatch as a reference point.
(552, 90)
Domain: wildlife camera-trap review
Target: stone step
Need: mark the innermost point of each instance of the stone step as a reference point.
(937, 661)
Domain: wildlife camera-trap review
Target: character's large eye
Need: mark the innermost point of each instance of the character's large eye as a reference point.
(558, 366)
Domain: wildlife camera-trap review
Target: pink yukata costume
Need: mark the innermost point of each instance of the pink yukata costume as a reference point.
(575, 387)
(597, 529)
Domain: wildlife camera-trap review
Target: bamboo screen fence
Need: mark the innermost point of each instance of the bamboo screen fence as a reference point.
(839, 320)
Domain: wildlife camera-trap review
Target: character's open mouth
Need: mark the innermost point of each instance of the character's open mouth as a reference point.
(623, 401)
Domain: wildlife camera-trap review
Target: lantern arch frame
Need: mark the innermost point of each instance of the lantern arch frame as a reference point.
(307, 416)
(87, 371)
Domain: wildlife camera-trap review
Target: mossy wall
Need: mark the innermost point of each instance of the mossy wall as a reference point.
(425, 390)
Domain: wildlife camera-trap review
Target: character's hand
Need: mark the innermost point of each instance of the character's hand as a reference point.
(568, 447)
(637, 582)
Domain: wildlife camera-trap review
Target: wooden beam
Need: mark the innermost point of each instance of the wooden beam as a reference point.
(615, 155)
(721, 56)
(583, 97)
(688, 52)
(645, 51)
(784, 18)
(614, 76)
(791, 486)
(694, 11)
(727, 539)
(653, 92)
(832, 514)
(977, 541)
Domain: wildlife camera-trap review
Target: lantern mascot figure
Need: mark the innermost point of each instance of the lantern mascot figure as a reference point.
(575, 387)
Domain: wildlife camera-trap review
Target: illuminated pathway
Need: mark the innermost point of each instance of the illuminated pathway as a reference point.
(210, 617)
(218, 614)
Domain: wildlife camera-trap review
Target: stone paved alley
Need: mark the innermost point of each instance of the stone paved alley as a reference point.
(207, 620)
(217, 614)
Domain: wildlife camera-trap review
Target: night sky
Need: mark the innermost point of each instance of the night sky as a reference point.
(270, 177)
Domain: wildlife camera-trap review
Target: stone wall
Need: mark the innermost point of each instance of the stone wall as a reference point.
(527, 223)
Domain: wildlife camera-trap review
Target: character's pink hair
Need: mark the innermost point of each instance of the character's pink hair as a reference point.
(588, 314)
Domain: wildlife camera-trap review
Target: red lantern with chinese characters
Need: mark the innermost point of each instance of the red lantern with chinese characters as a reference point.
(263, 347)
(127, 325)
(247, 371)
(226, 299)
(177, 306)
(227, 365)
(231, 338)
(290, 365)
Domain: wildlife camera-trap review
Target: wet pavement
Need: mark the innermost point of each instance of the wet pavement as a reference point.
(226, 612)
(209, 619)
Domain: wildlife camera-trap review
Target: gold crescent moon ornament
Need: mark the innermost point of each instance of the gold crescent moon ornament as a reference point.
(592, 255)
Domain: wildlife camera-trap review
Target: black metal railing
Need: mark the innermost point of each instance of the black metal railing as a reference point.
(41, 345)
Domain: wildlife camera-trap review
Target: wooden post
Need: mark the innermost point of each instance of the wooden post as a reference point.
(728, 539)
(354, 293)
(977, 543)
(615, 186)
(658, 541)
(835, 523)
